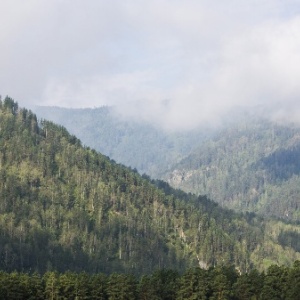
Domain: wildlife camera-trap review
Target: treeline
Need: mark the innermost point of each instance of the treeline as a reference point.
(166, 284)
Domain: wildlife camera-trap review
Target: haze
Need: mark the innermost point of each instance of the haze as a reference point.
(176, 63)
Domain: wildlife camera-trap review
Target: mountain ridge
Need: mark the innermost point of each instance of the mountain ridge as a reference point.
(139, 145)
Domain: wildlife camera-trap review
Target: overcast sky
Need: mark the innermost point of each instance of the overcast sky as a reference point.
(179, 63)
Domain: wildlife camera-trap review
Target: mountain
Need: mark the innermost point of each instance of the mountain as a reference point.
(67, 207)
(136, 144)
(252, 166)
(248, 164)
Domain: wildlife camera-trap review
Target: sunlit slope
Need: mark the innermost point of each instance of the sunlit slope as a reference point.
(67, 207)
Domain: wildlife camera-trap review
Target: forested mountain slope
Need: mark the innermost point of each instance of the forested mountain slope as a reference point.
(67, 207)
(136, 144)
(251, 166)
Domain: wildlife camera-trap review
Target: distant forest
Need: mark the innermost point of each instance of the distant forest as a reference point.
(252, 166)
(136, 144)
(248, 163)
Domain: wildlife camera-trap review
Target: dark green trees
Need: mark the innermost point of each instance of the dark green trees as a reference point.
(249, 285)
(215, 283)
(194, 284)
(160, 285)
(293, 282)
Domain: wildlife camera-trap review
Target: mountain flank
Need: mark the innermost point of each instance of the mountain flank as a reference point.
(133, 143)
(64, 206)
(248, 164)
(252, 166)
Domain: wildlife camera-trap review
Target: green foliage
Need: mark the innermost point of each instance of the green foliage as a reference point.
(290, 239)
(121, 286)
(65, 207)
(249, 285)
(275, 283)
(252, 166)
(224, 282)
(194, 284)
(130, 142)
(293, 281)
(160, 285)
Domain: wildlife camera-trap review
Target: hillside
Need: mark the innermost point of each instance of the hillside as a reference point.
(252, 166)
(66, 207)
(248, 164)
(136, 144)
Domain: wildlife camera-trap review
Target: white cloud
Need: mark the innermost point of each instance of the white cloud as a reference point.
(176, 63)
(264, 64)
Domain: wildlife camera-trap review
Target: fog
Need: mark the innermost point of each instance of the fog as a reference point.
(178, 64)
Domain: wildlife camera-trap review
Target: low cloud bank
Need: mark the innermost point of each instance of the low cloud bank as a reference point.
(176, 64)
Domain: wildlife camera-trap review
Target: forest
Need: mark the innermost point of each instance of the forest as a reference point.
(252, 166)
(278, 282)
(248, 163)
(66, 207)
(140, 145)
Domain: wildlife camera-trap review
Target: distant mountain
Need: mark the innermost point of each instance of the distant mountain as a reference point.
(66, 207)
(249, 164)
(252, 166)
(136, 144)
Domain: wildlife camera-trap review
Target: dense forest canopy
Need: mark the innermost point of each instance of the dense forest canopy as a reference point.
(67, 207)
(166, 284)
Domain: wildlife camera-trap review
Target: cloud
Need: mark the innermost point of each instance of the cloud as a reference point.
(79, 92)
(177, 64)
(263, 65)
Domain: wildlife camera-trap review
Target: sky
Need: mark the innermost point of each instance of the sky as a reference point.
(176, 63)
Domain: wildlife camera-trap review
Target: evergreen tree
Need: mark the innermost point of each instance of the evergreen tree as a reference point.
(293, 282)
(194, 284)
